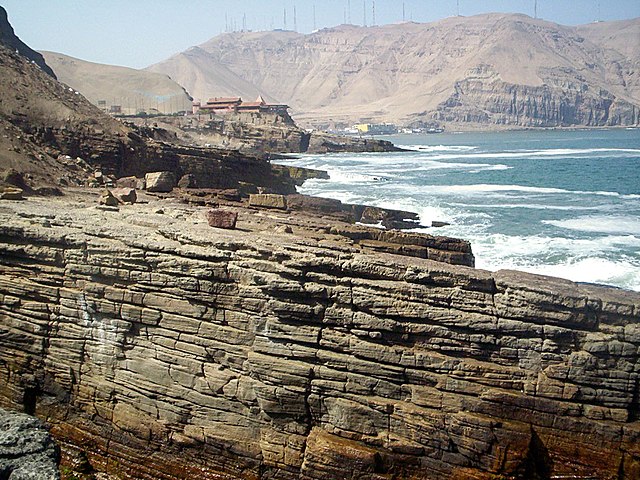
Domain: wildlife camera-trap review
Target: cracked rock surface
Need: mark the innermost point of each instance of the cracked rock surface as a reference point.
(159, 347)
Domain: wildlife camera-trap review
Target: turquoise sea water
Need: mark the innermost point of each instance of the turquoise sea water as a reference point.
(561, 203)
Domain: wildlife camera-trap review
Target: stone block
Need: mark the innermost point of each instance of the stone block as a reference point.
(222, 218)
(161, 182)
(268, 200)
(125, 195)
(12, 193)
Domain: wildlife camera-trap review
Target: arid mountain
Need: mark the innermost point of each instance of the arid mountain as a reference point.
(493, 69)
(133, 90)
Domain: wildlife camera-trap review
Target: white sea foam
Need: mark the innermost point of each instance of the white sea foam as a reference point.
(530, 206)
(600, 224)
(439, 148)
(491, 188)
(548, 153)
(586, 260)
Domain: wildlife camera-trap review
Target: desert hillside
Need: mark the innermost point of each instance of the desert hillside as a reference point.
(493, 69)
(133, 90)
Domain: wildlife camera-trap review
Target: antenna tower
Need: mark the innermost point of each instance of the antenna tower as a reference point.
(403, 15)
(314, 16)
(285, 18)
(364, 13)
(535, 9)
(458, 7)
(348, 12)
(295, 19)
(373, 11)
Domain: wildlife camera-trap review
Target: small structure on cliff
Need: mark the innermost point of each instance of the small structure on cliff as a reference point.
(223, 105)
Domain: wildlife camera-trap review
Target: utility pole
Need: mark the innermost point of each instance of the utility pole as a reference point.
(373, 12)
(364, 13)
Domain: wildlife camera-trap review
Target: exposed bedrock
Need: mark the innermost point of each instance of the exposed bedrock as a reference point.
(160, 348)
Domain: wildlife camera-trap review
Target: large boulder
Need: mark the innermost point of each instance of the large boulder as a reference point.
(125, 195)
(26, 448)
(161, 182)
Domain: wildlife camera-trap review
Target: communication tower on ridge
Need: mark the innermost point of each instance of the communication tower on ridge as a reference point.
(295, 19)
(364, 13)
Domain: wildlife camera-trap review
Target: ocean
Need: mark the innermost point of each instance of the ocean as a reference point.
(560, 203)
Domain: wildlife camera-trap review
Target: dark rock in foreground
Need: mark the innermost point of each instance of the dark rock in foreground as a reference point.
(27, 450)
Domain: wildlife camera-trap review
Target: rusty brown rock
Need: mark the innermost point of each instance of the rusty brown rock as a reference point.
(222, 218)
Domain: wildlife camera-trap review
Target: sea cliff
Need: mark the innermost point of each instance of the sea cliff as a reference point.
(159, 347)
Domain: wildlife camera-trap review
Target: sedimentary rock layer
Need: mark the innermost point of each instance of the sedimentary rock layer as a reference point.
(162, 348)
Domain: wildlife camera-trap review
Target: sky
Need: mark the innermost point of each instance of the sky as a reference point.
(139, 33)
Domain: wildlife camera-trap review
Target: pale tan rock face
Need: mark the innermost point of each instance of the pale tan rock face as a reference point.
(164, 348)
(483, 71)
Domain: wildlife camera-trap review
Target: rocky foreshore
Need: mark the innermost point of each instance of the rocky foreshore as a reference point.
(289, 348)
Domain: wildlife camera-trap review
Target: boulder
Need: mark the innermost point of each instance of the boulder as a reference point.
(26, 448)
(222, 218)
(12, 193)
(187, 181)
(125, 195)
(107, 198)
(162, 182)
(268, 200)
(131, 182)
(14, 178)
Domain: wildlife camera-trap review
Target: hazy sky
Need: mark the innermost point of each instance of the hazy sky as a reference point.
(138, 33)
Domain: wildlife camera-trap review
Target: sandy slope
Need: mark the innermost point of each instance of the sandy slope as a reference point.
(133, 89)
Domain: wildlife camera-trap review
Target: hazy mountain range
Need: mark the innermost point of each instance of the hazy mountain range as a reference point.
(484, 71)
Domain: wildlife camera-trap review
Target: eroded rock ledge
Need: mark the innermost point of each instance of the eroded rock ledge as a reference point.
(158, 347)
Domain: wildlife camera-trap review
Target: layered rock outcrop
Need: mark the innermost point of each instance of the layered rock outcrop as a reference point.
(159, 347)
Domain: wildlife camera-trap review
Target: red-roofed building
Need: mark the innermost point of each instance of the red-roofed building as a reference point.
(222, 105)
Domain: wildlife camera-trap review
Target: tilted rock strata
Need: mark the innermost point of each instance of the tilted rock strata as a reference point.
(163, 348)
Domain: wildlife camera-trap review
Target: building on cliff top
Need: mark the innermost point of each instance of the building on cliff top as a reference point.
(223, 105)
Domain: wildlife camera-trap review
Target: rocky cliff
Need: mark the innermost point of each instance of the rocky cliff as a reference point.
(482, 71)
(9, 39)
(158, 347)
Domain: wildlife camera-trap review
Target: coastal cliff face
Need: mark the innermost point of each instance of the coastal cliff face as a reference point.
(482, 71)
(158, 347)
